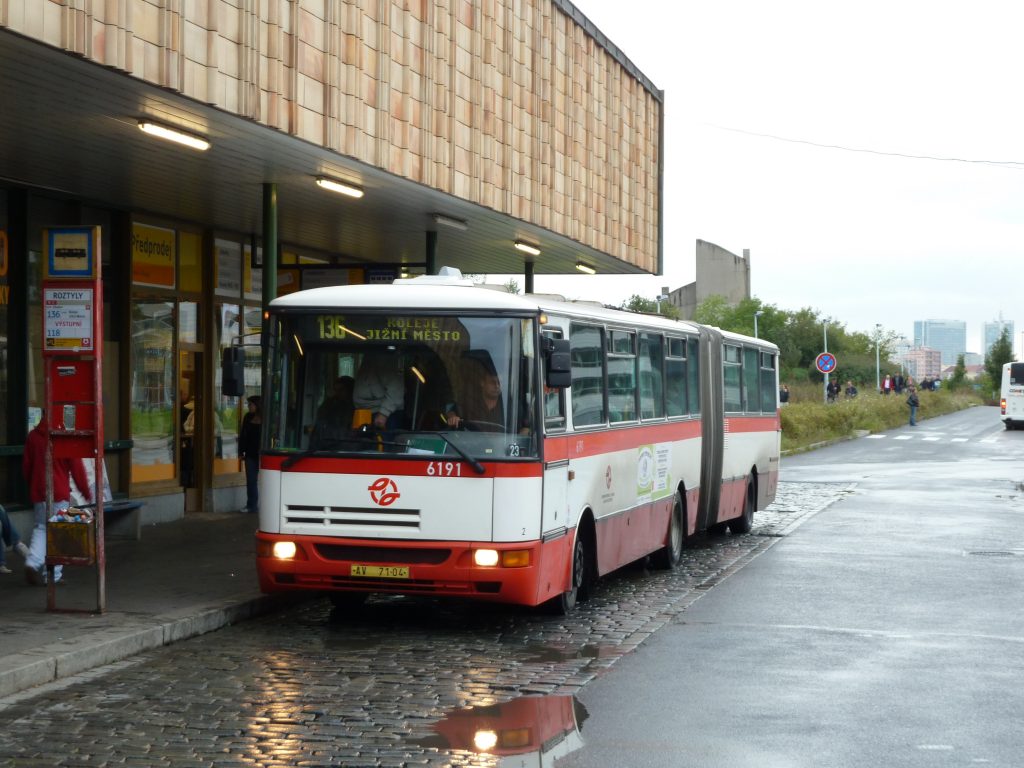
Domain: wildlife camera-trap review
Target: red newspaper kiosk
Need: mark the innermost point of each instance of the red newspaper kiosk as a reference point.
(72, 361)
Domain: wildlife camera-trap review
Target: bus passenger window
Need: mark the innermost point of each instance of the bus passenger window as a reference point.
(586, 351)
(693, 376)
(732, 371)
(651, 402)
(769, 390)
(622, 376)
(553, 400)
(751, 381)
(675, 378)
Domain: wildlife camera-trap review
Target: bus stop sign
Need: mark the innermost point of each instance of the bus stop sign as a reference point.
(825, 362)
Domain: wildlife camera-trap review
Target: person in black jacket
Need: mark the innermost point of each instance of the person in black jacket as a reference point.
(249, 450)
(914, 403)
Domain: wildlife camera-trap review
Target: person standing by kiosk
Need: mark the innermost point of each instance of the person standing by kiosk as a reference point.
(64, 470)
(249, 450)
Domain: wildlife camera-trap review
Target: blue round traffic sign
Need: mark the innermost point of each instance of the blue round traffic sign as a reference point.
(825, 362)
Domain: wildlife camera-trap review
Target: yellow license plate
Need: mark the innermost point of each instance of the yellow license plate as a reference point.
(381, 571)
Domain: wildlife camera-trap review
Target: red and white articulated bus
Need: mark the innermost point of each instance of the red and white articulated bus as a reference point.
(533, 445)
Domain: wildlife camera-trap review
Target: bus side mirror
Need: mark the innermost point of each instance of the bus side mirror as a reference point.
(232, 365)
(557, 363)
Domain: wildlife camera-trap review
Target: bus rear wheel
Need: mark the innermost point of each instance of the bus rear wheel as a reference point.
(669, 556)
(745, 522)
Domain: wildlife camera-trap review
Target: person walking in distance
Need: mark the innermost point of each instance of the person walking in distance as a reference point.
(33, 465)
(913, 402)
(249, 450)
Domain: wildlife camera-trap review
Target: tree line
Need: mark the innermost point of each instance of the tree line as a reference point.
(800, 337)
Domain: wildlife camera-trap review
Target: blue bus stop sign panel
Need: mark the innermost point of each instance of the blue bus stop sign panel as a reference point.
(825, 362)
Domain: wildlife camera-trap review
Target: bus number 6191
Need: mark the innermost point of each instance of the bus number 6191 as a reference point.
(444, 469)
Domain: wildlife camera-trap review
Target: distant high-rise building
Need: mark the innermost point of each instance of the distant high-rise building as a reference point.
(949, 337)
(923, 363)
(994, 329)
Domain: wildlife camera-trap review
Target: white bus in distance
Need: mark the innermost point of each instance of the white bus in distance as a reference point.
(1011, 395)
(615, 436)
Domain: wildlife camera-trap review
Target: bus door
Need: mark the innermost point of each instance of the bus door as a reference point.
(555, 509)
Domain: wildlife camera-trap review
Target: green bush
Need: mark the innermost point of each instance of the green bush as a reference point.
(807, 420)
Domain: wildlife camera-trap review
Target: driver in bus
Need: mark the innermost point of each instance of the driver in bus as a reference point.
(484, 409)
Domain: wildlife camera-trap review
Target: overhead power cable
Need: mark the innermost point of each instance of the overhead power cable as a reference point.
(1012, 164)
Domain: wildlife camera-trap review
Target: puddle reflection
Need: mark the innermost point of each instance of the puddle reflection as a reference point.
(554, 653)
(528, 731)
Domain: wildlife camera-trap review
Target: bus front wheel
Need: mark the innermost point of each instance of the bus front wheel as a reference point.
(564, 603)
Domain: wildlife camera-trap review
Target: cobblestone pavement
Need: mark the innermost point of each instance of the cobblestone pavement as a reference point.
(315, 687)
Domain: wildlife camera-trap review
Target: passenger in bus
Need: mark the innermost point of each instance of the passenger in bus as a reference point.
(334, 416)
(380, 389)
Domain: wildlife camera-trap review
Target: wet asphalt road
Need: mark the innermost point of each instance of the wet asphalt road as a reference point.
(872, 618)
(886, 631)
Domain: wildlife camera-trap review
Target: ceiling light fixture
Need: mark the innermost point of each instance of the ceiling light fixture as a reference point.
(586, 269)
(451, 221)
(525, 247)
(172, 134)
(341, 187)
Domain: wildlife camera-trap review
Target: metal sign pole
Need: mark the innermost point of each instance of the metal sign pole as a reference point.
(73, 368)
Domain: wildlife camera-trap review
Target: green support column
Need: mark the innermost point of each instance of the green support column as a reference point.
(269, 267)
(269, 244)
(528, 277)
(431, 253)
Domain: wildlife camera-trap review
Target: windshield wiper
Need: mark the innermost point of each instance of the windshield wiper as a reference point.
(295, 458)
(476, 465)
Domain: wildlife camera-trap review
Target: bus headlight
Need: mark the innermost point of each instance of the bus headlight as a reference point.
(484, 741)
(485, 558)
(284, 550)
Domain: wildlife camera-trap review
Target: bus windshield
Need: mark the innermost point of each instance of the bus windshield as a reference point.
(430, 384)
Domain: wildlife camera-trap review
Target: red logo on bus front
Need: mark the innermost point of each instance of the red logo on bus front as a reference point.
(383, 491)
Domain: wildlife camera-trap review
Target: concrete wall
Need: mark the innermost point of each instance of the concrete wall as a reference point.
(719, 273)
(507, 103)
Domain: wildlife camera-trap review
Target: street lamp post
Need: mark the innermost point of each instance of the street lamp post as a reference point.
(878, 367)
(757, 315)
(661, 297)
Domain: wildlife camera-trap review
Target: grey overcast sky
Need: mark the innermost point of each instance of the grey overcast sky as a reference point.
(868, 234)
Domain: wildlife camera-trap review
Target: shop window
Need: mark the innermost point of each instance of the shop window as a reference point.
(226, 409)
(227, 258)
(152, 393)
(190, 261)
(153, 252)
(188, 322)
(253, 317)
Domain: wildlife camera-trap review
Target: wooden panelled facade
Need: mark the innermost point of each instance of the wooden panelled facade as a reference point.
(510, 104)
